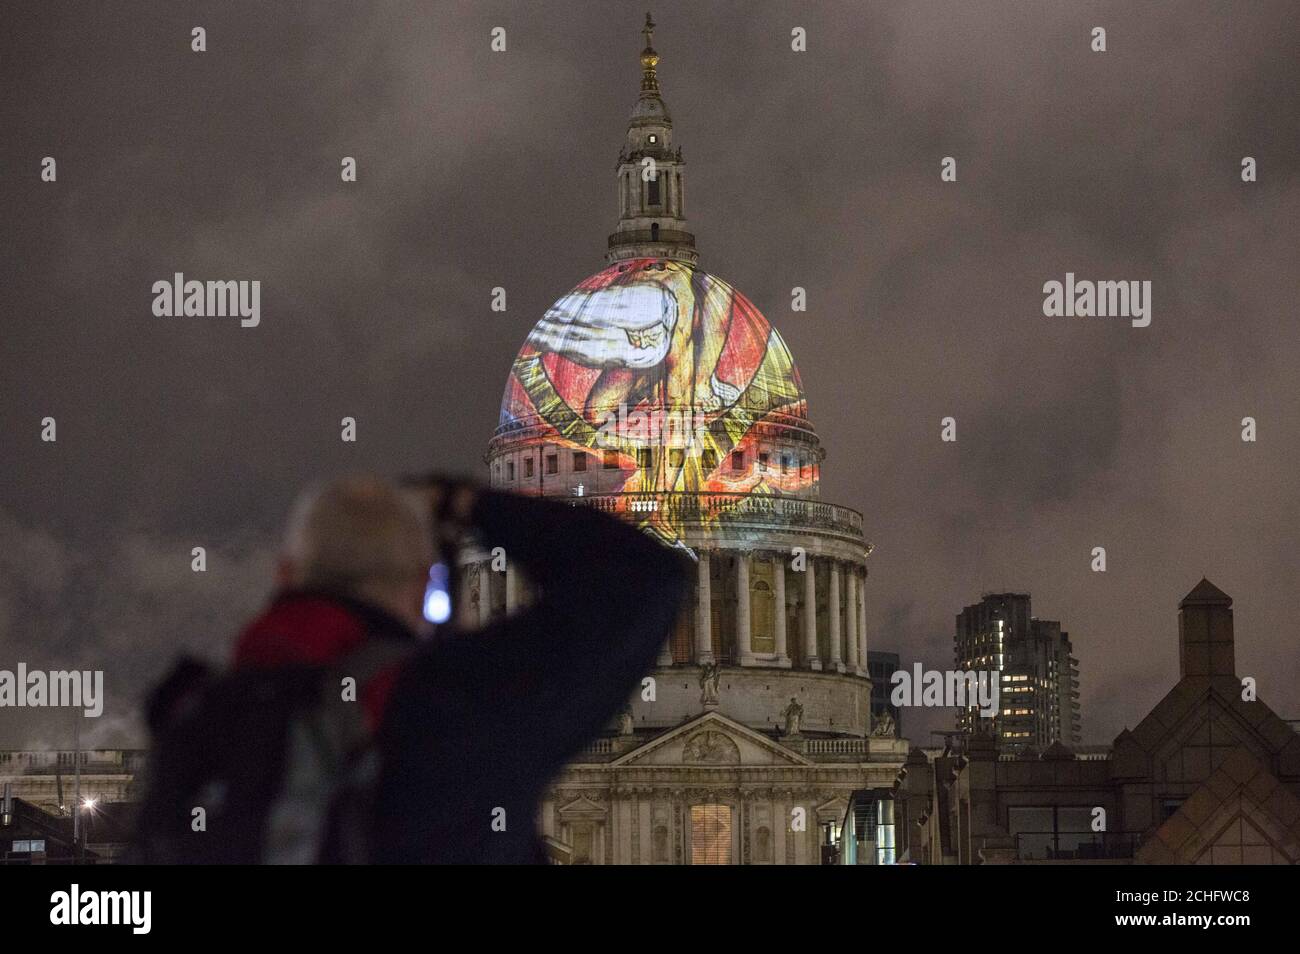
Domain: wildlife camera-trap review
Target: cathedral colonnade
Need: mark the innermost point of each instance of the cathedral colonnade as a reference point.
(749, 608)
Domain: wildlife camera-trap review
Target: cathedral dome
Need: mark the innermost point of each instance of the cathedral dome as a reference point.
(659, 333)
(653, 386)
(654, 364)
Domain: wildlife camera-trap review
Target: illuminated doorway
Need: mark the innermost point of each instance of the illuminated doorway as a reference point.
(711, 834)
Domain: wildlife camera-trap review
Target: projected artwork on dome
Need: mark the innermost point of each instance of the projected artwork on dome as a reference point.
(661, 371)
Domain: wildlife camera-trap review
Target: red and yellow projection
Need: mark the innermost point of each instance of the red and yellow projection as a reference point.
(663, 371)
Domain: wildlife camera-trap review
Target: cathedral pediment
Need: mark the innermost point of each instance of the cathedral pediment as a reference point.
(711, 740)
(582, 808)
(831, 811)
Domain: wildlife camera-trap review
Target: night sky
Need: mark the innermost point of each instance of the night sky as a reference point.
(819, 169)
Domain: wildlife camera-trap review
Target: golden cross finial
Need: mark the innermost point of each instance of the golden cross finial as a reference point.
(649, 59)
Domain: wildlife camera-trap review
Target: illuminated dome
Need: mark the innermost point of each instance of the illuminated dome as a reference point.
(653, 376)
(658, 393)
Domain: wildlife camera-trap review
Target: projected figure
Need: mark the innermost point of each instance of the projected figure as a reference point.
(667, 365)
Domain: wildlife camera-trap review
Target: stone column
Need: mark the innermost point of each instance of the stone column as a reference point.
(484, 592)
(778, 621)
(703, 612)
(833, 613)
(744, 645)
(810, 616)
(512, 588)
(666, 650)
(851, 620)
(862, 623)
(463, 604)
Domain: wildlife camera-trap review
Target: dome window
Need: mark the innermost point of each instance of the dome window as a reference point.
(737, 460)
(510, 470)
(611, 460)
(528, 467)
(579, 462)
(552, 463)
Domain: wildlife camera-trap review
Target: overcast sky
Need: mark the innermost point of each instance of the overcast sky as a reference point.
(818, 169)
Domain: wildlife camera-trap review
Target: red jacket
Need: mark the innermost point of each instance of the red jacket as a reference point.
(316, 629)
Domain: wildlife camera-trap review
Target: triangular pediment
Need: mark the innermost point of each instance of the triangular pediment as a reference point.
(582, 807)
(711, 740)
(832, 810)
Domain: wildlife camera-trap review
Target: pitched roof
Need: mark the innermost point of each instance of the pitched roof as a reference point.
(1205, 592)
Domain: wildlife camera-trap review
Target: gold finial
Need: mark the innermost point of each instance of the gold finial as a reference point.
(649, 58)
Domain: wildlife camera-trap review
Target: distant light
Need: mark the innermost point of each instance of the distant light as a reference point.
(90, 804)
(437, 598)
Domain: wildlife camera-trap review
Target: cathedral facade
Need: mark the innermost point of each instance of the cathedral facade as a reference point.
(658, 392)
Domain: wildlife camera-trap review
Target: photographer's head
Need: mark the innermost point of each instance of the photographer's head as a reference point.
(360, 537)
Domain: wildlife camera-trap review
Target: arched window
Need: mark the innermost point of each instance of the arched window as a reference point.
(654, 232)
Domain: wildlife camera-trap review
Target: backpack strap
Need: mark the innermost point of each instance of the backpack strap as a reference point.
(329, 756)
(339, 728)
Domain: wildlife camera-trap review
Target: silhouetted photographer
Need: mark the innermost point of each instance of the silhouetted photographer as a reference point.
(341, 736)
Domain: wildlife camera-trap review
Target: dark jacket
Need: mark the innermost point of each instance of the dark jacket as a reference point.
(476, 723)
(480, 722)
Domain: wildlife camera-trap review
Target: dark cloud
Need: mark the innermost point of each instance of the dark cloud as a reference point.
(820, 170)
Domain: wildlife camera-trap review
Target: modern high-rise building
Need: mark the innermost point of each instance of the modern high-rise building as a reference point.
(1038, 676)
(1211, 775)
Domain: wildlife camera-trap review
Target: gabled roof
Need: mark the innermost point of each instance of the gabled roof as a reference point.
(1197, 705)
